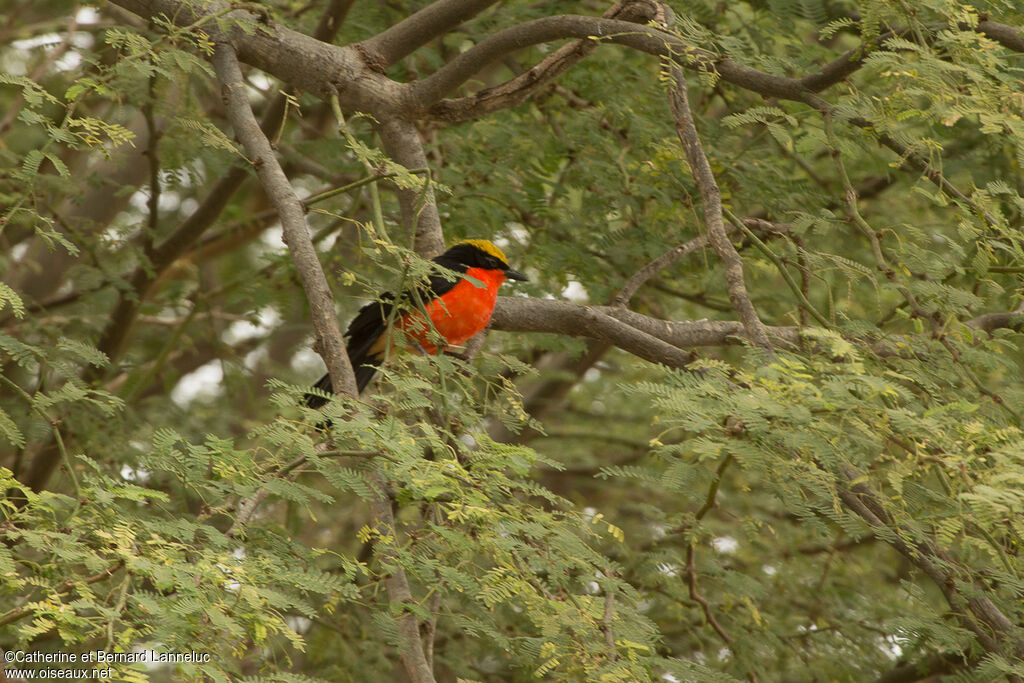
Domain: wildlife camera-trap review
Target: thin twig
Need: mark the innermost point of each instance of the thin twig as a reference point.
(66, 587)
(691, 563)
(711, 198)
(153, 154)
(805, 303)
(606, 622)
(637, 280)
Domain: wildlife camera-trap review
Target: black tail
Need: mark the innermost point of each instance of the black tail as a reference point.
(364, 373)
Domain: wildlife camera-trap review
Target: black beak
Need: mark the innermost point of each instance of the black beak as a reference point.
(515, 275)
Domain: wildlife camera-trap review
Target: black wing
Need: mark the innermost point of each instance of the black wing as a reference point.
(365, 350)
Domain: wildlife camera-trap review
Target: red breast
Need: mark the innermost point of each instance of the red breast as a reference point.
(459, 313)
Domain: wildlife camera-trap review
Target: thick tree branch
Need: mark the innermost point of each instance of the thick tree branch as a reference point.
(307, 63)
(422, 94)
(1009, 37)
(524, 314)
(543, 397)
(408, 35)
(544, 315)
(399, 594)
(711, 198)
(990, 322)
(517, 90)
(402, 143)
(630, 331)
(293, 221)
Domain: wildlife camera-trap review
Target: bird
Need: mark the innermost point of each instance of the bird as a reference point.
(458, 309)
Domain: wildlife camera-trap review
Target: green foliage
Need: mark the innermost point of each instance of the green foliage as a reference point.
(561, 511)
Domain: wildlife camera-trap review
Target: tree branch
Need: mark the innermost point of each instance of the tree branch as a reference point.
(397, 584)
(332, 19)
(691, 560)
(293, 221)
(977, 613)
(1009, 37)
(323, 69)
(711, 197)
(308, 64)
(62, 588)
(637, 280)
(408, 35)
(402, 143)
(517, 90)
(990, 322)
(422, 94)
(632, 332)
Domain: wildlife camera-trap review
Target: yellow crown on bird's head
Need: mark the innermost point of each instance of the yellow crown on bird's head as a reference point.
(487, 247)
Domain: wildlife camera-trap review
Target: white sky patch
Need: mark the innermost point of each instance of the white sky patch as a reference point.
(83, 40)
(19, 250)
(253, 358)
(327, 243)
(263, 82)
(668, 569)
(514, 233)
(139, 199)
(169, 201)
(272, 236)
(189, 206)
(69, 61)
(769, 570)
(121, 230)
(132, 474)
(202, 382)
(298, 624)
(266, 317)
(87, 15)
(306, 359)
(725, 544)
(894, 645)
(44, 40)
(147, 655)
(14, 63)
(575, 292)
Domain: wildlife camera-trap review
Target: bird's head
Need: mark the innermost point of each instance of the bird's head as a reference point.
(480, 254)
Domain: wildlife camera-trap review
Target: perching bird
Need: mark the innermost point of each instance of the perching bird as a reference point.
(457, 309)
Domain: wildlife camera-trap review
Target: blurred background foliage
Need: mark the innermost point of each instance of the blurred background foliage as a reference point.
(566, 511)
